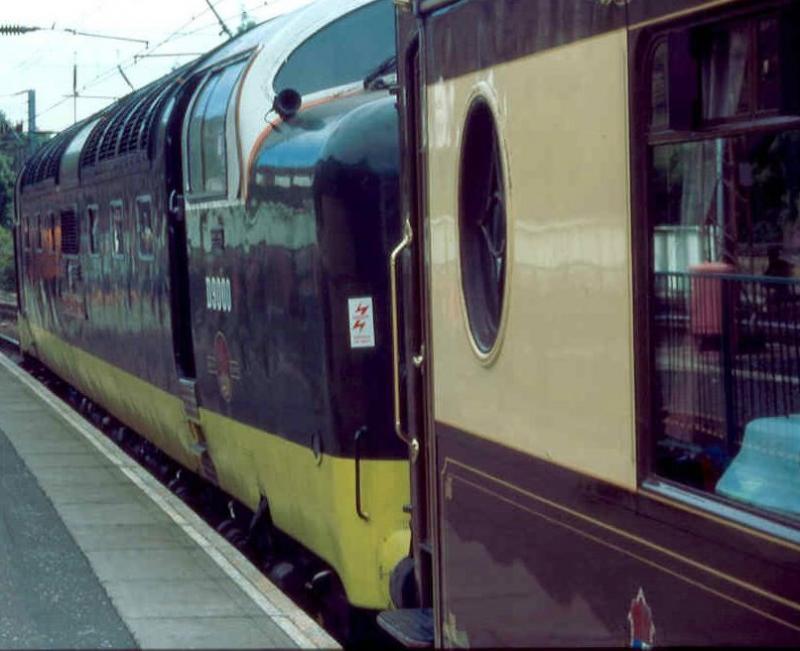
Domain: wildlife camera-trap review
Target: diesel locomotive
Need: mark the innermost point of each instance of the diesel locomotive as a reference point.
(206, 259)
(602, 342)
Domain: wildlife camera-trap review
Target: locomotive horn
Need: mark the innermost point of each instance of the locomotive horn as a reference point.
(287, 103)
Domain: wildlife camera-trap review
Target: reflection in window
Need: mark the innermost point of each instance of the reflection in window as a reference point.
(724, 73)
(207, 151)
(659, 117)
(769, 72)
(144, 219)
(724, 214)
(196, 136)
(93, 220)
(726, 255)
(117, 230)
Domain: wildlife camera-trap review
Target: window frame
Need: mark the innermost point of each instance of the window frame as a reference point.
(117, 203)
(481, 321)
(140, 200)
(644, 138)
(93, 251)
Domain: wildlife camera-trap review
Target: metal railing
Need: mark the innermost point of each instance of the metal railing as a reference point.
(727, 351)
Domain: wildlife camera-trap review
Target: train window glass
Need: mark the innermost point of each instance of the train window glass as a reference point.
(144, 224)
(70, 233)
(196, 136)
(724, 229)
(39, 226)
(321, 61)
(214, 151)
(207, 150)
(93, 224)
(26, 232)
(482, 226)
(117, 229)
(659, 116)
(724, 71)
(769, 64)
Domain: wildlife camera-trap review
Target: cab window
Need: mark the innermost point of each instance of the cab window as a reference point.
(321, 62)
(207, 146)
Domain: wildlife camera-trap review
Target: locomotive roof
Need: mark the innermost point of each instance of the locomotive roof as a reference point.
(127, 124)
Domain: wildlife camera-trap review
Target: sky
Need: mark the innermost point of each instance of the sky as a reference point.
(44, 60)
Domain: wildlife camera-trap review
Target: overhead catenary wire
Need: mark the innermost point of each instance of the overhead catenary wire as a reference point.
(219, 20)
(174, 36)
(109, 72)
(132, 61)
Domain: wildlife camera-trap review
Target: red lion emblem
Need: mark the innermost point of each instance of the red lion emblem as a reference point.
(640, 619)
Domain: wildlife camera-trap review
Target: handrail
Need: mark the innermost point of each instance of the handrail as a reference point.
(357, 454)
(408, 237)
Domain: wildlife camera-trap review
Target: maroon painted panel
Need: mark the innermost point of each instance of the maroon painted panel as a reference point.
(532, 554)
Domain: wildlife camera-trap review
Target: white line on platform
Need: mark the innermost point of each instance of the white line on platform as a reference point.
(302, 630)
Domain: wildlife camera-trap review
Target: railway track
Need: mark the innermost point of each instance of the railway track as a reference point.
(287, 564)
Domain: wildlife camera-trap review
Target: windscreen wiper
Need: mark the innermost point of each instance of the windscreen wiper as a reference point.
(386, 67)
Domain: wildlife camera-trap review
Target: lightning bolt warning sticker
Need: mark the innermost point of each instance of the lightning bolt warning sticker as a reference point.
(362, 330)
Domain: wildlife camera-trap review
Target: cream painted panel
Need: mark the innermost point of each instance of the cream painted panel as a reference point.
(561, 387)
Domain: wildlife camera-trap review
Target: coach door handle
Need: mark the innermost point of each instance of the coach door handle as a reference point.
(408, 237)
(174, 202)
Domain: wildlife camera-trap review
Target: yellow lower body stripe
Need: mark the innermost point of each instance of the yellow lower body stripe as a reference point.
(312, 502)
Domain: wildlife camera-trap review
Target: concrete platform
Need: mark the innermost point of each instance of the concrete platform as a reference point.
(95, 553)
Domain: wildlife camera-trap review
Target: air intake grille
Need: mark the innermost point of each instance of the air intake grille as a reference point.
(108, 145)
(89, 153)
(46, 160)
(130, 137)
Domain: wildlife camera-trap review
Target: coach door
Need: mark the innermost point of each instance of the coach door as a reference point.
(413, 363)
(178, 259)
(180, 305)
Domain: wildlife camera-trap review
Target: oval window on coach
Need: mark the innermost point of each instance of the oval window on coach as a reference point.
(723, 224)
(482, 227)
(208, 166)
(323, 62)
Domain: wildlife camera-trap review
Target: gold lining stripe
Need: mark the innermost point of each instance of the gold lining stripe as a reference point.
(777, 540)
(625, 534)
(642, 559)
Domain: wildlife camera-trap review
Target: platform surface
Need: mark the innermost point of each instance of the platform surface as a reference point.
(95, 553)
